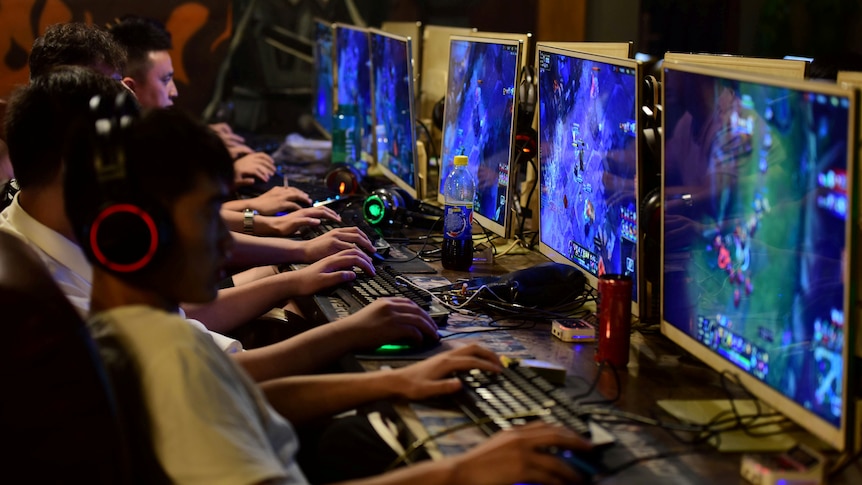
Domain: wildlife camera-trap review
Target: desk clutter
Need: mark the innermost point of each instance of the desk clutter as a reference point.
(722, 190)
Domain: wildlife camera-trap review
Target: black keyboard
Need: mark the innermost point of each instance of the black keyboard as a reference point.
(317, 192)
(519, 395)
(349, 298)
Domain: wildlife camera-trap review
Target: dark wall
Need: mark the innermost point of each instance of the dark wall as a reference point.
(201, 31)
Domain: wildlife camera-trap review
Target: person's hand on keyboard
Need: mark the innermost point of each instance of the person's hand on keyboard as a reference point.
(332, 270)
(387, 320)
(337, 239)
(278, 199)
(434, 375)
(291, 223)
(520, 455)
(253, 166)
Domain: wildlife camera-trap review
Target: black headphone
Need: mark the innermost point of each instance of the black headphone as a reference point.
(525, 136)
(127, 232)
(343, 179)
(389, 206)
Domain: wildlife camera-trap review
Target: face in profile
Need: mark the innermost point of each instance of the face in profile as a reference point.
(156, 88)
(201, 244)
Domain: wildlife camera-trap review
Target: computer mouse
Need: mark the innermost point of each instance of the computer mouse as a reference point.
(408, 347)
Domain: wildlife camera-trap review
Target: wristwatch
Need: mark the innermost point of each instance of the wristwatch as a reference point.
(248, 221)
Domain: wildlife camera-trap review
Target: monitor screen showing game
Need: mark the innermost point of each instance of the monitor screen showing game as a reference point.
(757, 220)
(479, 122)
(394, 125)
(353, 85)
(589, 136)
(323, 105)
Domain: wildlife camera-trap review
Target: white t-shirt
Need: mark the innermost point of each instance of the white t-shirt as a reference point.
(210, 423)
(69, 266)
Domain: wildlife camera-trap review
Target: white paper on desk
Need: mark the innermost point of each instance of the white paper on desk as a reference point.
(298, 150)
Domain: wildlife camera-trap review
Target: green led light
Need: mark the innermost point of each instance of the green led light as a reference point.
(374, 211)
(392, 347)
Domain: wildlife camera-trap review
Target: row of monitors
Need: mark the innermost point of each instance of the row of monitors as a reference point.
(758, 216)
(756, 180)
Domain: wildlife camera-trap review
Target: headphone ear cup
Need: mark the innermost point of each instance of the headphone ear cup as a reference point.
(343, 179)
(384, 205)
(126, 238)
(128, 231)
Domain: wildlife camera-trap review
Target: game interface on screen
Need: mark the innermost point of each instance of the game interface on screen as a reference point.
(756, 209)
(588, 163)
(323, 79)
(392, 97)
(479, 119)
(354, 80)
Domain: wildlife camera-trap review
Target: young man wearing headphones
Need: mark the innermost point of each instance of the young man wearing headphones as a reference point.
(209, 421)
(149, 73)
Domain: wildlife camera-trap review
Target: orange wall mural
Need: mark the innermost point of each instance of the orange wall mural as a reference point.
(200, 29)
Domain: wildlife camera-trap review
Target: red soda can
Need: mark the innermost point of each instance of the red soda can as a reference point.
(615, 319)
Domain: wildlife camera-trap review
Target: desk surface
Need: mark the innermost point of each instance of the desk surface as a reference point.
(658, 370)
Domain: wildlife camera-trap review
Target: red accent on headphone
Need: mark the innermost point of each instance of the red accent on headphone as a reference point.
(128, 267)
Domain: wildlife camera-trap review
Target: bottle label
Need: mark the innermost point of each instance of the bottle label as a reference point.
(458, 221)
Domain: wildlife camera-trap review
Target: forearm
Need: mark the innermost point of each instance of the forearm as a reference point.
(440, 472)
(256, 251)
(240, 304)
(301, 399)
(305, 353)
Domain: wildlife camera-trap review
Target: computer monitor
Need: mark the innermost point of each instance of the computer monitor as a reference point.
(352, 61)
(394, 125)
(852, 77)
(792, 68)
(479, 121)
(758, 243)
(412, 30)
(435, 65)
(323, 106)
(590, 143)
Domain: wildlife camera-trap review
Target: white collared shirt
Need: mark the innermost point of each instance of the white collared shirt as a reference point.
(69, 267)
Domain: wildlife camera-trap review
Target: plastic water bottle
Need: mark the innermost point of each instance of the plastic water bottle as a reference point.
(459, 192)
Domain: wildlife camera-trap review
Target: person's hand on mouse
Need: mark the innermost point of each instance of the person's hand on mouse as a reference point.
(388, 320)
(433, 376)
(278, 199)
(519, 455)
(332, 270)
(254, 165)
(338, 239)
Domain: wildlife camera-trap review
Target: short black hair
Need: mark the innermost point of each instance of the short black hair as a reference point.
(78, 44)
(140, 36)
(39, 117)
(165, 152)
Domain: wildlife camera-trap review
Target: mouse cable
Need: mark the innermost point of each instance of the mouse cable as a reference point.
(657, 456)
(436, 298)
